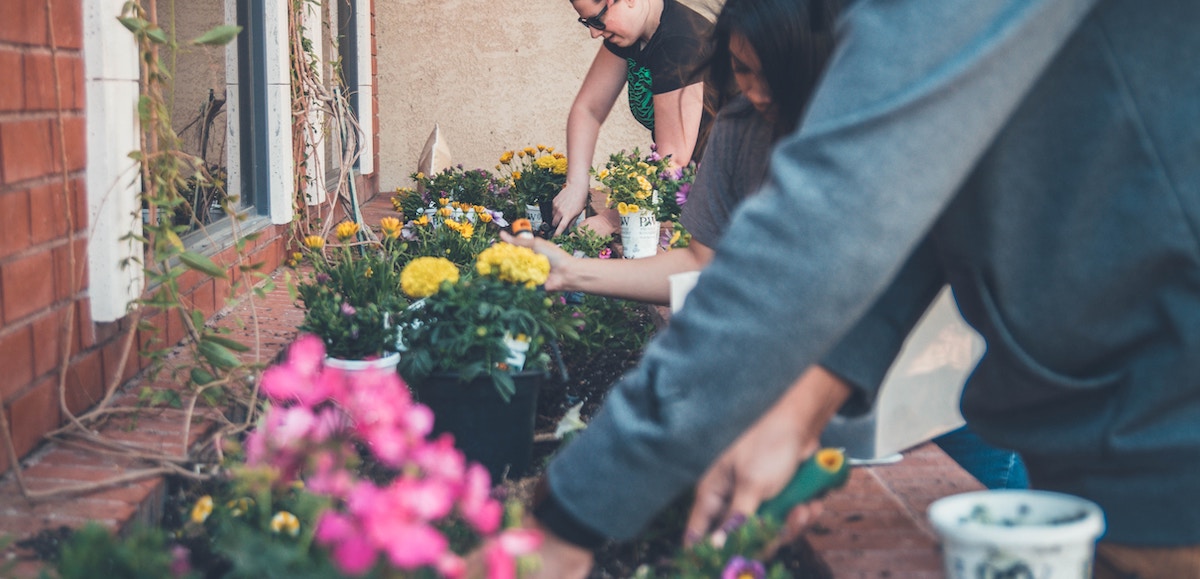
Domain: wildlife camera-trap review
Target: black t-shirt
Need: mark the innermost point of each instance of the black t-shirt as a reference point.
(667, 62)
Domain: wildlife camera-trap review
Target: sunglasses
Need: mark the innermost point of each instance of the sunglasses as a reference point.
(596, 21)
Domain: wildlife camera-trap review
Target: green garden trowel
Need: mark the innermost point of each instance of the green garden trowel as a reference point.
(825, 470)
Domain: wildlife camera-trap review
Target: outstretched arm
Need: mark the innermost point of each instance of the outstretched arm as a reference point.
(592, 104)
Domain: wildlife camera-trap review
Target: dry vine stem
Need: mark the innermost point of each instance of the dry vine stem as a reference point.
(83, 429)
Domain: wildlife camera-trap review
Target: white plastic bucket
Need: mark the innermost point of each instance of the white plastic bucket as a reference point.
(639, 235)
(1017, 533)
(386, 363)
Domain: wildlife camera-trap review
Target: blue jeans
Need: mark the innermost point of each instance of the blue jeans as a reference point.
(996, 468)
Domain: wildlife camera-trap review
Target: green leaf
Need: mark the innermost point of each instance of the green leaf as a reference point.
(218, 355)
(202, 264)
(230, 343)
(219, 36)
(157, 35)
(201, 376)
(198, 318)
(134, 25)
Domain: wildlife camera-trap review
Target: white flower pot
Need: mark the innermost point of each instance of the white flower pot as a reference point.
(639, 234)
(387, 363)
(534, 214)
(1017, 533)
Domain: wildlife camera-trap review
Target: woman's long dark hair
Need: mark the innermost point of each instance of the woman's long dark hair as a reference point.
(793, 40)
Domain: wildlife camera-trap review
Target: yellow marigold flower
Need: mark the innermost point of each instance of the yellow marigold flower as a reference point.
(420, 175)
(556, 155)
(480, 209)
(314, 242)
(346, 230)
(202, 509)
(513, 264)
(520, 154)
(516, 175)
(541, 147)
(285, 522)
(423, 276)
(507, 157)
(390, 226)
(545, 163)
(422, 220)
(445, 212)
(530, 151)
(452, 224)
(467, 230)
(443, 201)
(560, 166)
(485, 217)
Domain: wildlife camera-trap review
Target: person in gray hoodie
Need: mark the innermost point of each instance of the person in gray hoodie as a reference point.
(1040, 156)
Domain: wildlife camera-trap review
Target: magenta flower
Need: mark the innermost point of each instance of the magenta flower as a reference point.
(348, 310)
(605, 253)
(742, 568)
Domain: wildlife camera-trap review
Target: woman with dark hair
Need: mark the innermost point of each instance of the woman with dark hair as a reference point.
(767, 56)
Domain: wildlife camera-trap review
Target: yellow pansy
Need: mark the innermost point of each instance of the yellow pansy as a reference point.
(285, 522)
(202, 509)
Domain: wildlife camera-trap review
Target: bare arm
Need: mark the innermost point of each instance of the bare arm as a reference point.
(677, 117)
(592, 104)
(643, 280)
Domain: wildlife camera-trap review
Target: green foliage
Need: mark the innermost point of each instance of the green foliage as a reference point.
(583, 239)
(94, 552)
(603, 323)
(534, 175)
(461, 330)
(473, 187)
(648, 183)
(452, 236)
(350, 300)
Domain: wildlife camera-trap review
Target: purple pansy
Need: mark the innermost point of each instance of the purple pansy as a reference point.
(742, 568)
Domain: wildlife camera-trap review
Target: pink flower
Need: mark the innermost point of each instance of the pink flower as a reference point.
(289, 427)
(605, 253)
(476, 504)
(440, 459)
(413, 546)
(355, 555)
(451, 566)
(500, 564)
(517, 542)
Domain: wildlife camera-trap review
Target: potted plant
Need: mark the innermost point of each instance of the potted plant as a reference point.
(473, 349)
(453, 230)
(645, 190)
(535, 176)
(351, 296)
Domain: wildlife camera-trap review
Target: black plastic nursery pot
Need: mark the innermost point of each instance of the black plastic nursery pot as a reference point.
(488, 430)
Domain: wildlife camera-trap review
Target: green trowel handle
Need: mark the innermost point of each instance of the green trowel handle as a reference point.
(810, 481)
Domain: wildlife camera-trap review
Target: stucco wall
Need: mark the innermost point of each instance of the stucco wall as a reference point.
(493, 75)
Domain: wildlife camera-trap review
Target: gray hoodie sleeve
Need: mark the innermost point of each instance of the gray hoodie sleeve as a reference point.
(913, 96)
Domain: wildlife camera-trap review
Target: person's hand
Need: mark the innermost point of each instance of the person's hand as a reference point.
(558, 559)
(604, 223)
(568, 204)
(559, 258)
(755, 468)
(760, 463)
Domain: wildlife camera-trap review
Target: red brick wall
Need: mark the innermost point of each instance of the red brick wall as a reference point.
(43, 230)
